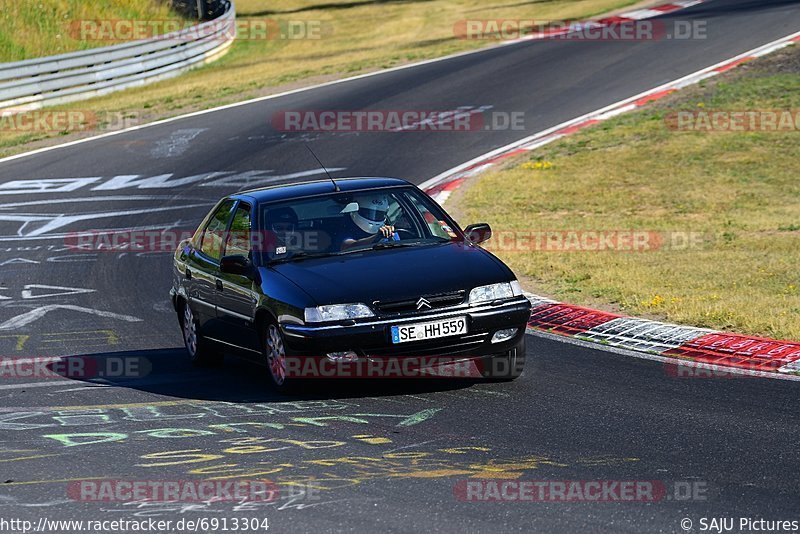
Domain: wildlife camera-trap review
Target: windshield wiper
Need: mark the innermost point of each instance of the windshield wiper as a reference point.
(300, 255)
(394, 244)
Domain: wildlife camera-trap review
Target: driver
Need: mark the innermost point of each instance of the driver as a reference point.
(367, 222)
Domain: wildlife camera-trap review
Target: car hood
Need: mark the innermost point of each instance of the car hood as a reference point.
(394, 274)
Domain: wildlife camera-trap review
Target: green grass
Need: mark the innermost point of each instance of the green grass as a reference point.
(356, 37)
(36, 28)
(739, 191)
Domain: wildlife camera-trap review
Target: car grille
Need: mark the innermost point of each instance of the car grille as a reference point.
(440, 300)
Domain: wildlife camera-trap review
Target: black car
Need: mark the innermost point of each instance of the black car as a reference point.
(352, 271)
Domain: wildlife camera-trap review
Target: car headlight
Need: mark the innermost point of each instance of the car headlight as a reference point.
(504, 290)
(337, 312)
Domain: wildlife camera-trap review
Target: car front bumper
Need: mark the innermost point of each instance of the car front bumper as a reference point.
(372, 338)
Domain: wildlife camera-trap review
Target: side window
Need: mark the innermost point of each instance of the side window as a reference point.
(211, 243)
(238, 242)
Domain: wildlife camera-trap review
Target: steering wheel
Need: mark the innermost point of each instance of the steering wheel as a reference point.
(405, 231)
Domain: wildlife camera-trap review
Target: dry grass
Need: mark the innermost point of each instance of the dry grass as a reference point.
(357, 36)
(740, 191)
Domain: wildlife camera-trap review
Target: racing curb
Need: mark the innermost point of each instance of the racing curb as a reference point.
(622, 18)
(698, 347)
(441, 186)
(690, 346)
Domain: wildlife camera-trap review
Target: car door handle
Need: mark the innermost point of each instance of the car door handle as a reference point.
(219, 284)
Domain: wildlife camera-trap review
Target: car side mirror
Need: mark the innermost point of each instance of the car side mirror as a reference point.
(236, 265)
(478, 233)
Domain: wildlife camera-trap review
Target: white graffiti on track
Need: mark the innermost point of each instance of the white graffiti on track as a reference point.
(18, 261)
(231, 179)
(197, 419)
(28, 292)
(45, 225)
(34, 292)
(54, 218)
(289, 498)
(26, 318)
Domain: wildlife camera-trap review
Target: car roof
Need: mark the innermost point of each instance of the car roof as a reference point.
(317, 187)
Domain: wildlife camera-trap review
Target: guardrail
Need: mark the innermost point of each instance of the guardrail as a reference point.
(35, 83)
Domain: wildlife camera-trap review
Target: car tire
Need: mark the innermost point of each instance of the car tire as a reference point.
(273, 349)
(200, 351)
(506, 367)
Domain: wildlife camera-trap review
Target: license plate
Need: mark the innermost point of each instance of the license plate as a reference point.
(430, 330)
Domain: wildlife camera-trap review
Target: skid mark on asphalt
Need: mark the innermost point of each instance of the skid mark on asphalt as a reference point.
(176, 143)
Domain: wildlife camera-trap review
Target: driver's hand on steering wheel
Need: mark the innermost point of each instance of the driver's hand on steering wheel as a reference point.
(386, 231)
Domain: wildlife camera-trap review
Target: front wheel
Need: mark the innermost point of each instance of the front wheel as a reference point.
(275, 358)
(200, 353)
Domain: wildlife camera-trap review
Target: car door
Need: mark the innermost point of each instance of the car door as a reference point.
(202, 267)
(237, 294)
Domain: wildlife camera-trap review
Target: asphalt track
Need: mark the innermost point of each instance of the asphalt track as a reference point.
(384, 456)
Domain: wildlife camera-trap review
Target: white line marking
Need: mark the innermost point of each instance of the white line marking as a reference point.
(640, 14)
(680, 82)
(254, 101)
(279, 95)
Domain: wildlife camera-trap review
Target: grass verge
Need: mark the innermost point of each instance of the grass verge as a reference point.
(354, 37)
(736, 194)
(37, 28)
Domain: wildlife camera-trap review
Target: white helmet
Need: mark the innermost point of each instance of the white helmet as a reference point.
(371, 214)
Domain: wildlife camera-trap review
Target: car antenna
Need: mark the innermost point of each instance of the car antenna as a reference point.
(335, 185)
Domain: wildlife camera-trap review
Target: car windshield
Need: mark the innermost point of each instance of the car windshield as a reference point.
(342, 223)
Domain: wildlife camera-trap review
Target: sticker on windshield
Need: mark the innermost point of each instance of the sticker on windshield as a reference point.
(447, 229)
(280, 250)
